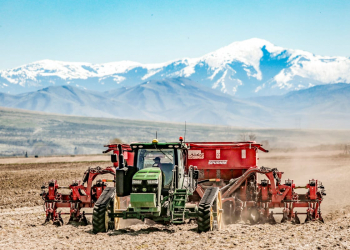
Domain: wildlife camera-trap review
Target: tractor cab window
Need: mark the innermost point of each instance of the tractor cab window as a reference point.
(162, 158)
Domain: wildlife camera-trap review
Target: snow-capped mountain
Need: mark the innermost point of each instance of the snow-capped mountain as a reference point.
(252, 67)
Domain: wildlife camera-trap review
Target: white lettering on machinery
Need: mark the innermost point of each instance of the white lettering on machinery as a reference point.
(217, 162)
(218, 154)
(244, 155)
(195, 154)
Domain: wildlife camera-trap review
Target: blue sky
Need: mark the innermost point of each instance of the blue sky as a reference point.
(158, 31)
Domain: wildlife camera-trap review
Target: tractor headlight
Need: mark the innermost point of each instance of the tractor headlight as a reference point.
(136, 182)
(152, 182)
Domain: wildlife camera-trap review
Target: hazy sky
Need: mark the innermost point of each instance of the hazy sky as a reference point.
(158, 31)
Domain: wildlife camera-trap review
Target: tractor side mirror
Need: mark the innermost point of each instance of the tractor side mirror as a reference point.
(195, 174)
(114, 158)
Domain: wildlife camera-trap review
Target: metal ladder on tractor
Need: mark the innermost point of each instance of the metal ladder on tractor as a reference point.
(179, 206)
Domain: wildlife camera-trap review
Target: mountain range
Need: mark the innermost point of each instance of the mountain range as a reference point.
(180, 99)
(249, 68)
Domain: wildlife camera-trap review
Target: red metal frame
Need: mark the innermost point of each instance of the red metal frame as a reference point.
(80, 195)
(127, 152)
(233, 166)
(83, 194)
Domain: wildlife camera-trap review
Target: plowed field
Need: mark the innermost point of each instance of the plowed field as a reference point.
(21, 212)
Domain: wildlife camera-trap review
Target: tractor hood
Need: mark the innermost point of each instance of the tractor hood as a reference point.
(152, 173)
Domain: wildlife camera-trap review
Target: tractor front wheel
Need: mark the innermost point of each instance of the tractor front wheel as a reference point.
(104, 205)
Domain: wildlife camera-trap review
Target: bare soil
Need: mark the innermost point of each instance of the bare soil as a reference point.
(21, 215)
(20, 183)
(55, 159)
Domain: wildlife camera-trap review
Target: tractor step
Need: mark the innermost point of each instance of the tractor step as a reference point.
(178, 213)
(179, 207)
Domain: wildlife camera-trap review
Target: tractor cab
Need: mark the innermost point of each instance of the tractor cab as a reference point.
(167, 159)
(156, 158)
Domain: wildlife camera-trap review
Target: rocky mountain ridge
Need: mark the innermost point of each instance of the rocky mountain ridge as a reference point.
(249, 68)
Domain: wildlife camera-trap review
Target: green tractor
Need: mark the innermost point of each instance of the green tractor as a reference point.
(158, 187)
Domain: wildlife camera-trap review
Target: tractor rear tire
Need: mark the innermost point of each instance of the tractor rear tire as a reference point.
(104, 205)
(211, 203)
(204, 216)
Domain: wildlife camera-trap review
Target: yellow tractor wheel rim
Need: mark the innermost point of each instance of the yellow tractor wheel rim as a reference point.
(219, 211)
(116, 206)
(211, 219)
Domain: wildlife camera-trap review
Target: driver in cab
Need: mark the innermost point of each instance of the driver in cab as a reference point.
(157, 162)
(167, 170)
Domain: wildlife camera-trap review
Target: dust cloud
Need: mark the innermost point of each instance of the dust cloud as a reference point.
(332, 168)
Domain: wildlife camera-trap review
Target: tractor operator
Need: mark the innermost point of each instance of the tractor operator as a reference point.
(157, 162)
(167, 170)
